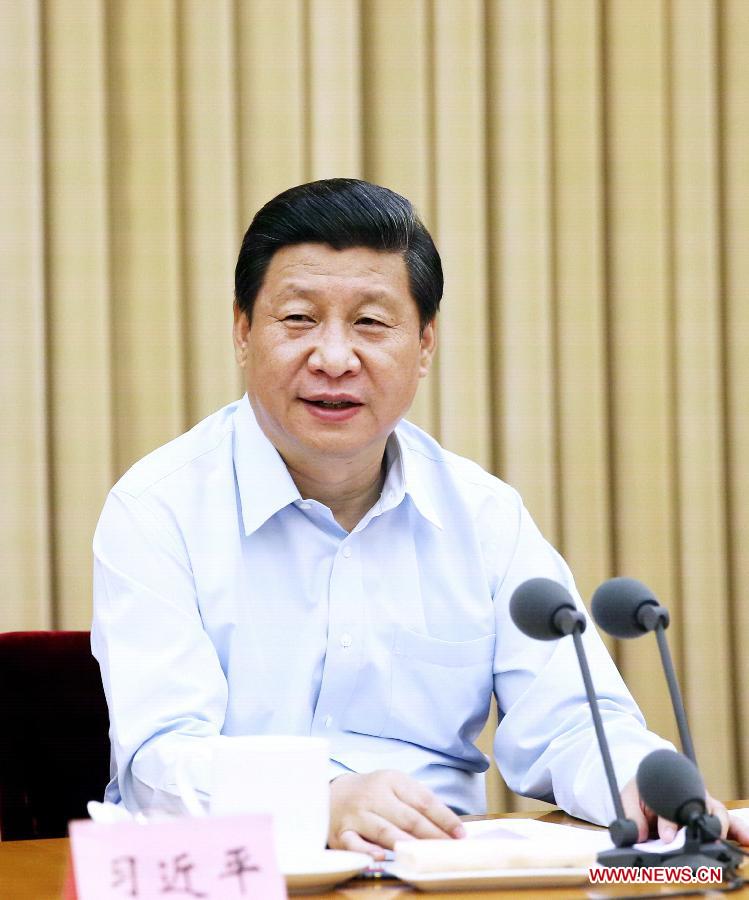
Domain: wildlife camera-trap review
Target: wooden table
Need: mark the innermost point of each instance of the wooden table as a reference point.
(35, 870)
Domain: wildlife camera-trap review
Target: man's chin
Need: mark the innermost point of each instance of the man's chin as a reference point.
(338, 448)
(340, 444)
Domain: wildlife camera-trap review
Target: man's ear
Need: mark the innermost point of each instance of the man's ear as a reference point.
(240, 331)
(428, 346)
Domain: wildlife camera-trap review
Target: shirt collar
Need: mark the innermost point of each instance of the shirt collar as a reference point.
(407, 478)
(265, 485)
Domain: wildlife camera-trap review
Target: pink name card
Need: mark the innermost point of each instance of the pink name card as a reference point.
(215, 858)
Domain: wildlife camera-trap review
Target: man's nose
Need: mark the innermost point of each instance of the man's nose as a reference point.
(334, 353)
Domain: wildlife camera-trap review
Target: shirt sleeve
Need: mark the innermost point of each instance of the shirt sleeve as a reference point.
(165, 688)
(545, 745)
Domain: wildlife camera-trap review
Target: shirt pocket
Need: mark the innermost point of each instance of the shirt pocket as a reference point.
(440, 691)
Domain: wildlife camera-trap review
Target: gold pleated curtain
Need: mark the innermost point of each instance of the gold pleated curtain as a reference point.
(584, 168)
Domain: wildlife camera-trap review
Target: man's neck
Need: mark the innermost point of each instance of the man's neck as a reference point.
(349, 491)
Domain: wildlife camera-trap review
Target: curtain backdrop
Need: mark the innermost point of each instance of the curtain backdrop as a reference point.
(584, 168)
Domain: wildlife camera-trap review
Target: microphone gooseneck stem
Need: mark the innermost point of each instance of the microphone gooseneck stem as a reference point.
(673, 688)
(598, 723)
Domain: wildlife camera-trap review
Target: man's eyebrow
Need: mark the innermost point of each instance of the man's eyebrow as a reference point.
(294, 287)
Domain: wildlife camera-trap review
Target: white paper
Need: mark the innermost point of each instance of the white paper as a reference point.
(580, 838)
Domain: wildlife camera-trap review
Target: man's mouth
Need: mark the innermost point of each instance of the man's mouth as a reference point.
(333, 404)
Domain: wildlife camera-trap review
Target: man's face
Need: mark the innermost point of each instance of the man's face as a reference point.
(333, 354)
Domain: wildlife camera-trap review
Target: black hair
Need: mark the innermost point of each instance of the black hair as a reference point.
(343, 213)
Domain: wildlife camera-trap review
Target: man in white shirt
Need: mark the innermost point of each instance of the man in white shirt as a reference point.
(304, 562)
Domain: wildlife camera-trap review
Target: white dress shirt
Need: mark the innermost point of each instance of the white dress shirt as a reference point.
(227, 604)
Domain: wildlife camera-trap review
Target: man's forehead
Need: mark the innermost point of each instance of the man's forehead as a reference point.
(319, 287)
(310, 265)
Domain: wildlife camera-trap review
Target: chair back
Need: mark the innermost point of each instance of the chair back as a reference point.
(54, 744)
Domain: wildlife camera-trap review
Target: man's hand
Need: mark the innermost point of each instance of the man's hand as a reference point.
(369, 813)
(648, 822)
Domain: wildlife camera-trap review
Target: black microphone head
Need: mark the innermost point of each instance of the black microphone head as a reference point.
(671, 785)
(616, 604)
(534, 604)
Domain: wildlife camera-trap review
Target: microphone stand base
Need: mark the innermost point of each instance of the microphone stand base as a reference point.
(694, 855)
(628, 857)
(698, 855)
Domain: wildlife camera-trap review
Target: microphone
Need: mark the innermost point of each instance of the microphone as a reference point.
(626, 608)
(544, 610)
(671, 785)
(668, 782)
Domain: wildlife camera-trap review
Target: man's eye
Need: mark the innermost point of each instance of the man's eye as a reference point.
(295, 318)
(367, 320)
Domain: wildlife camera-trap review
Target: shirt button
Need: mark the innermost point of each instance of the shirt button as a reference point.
(346, 640)
(328, 721)
(347, 552)
(305, 506)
